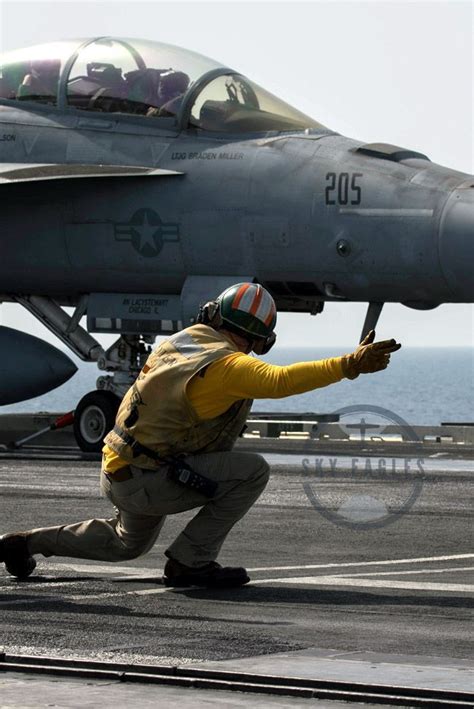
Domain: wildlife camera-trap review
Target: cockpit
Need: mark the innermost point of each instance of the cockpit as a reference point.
(140, 78)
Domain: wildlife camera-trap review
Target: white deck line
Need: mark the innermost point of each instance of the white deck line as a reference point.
(386, 562)
(371, 583)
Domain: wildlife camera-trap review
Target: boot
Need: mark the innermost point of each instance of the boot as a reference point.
(211, 575)
(15, 555)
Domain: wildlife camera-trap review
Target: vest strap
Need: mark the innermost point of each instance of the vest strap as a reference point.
(136, 446)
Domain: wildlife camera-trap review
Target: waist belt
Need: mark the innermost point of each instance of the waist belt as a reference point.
(179, 471)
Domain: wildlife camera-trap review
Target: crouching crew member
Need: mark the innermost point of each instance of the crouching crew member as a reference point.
(171, 448)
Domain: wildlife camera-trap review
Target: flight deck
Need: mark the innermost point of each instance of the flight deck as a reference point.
(344, 606)
(166, 182)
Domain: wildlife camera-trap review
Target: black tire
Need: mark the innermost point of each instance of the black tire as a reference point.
(94, 417)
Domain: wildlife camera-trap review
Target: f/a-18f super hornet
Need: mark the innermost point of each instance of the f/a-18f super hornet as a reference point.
(139, 179)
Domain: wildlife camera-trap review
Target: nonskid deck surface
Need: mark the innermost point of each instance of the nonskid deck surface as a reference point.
(331, 601)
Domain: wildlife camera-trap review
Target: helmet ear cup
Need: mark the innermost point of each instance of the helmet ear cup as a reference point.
(209, 314)
(262, 346)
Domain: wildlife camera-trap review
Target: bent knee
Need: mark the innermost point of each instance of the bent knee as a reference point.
(127, 552)
(126, 548)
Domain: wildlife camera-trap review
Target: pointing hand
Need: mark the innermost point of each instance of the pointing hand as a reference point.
(369, 357)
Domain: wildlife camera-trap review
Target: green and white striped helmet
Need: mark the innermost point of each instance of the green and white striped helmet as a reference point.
(249, 309)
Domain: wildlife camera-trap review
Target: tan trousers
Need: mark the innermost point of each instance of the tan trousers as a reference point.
(143, 503)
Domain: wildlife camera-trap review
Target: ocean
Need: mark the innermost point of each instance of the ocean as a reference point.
(424, 386)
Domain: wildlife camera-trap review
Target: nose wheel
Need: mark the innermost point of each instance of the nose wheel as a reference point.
(94, 418)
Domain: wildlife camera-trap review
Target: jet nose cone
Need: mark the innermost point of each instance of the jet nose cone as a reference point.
(457, 243)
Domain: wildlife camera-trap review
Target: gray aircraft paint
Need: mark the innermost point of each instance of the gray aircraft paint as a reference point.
(254, 207)
(35, 368)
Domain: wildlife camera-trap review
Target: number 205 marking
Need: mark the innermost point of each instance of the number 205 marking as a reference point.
(343, 187)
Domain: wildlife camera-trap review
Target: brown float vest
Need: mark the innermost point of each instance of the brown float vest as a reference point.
(156, 412)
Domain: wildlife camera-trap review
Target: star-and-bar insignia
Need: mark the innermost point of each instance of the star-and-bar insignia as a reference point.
(146, 232)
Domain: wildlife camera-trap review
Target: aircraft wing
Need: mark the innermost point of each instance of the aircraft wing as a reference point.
(22, 172)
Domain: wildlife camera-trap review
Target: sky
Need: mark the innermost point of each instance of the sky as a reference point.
(377, 71)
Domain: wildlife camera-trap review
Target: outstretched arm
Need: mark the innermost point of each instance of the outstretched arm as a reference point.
(240, 376)
(251, 378)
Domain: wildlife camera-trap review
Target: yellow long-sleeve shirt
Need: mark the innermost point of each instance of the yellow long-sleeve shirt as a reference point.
(239, 376)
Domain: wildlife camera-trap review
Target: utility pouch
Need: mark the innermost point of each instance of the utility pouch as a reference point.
(181, 473)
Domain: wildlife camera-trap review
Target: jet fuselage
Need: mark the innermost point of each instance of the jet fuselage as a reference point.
(314, 216)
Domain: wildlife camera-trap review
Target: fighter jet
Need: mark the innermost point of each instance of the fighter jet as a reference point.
(139, 179)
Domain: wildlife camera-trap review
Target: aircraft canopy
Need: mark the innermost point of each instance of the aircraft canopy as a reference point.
(132, 77)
